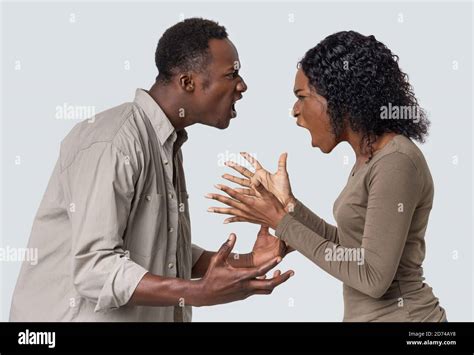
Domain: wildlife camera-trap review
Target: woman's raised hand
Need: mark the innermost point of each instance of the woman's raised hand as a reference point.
(277, 183)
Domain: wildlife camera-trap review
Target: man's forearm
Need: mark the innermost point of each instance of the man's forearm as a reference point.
(235, 260)
(159, 291)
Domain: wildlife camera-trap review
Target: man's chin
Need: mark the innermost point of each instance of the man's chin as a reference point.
(223, 124)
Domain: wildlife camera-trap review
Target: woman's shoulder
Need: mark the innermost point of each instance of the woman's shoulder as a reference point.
(401, 153)
(402, 157)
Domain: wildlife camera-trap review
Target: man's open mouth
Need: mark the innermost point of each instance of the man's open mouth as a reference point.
(233, 111)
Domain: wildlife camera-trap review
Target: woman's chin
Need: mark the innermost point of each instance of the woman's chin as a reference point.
(323, 149)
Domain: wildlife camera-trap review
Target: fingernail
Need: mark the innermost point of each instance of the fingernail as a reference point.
(291, 274)
(208, 196)
(210, 209)
(225, 222)
(218, 186)
(278, 260)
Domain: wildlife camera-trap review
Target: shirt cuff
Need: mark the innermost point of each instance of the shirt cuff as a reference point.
(120, 285)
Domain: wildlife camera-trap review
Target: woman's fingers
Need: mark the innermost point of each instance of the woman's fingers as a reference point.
(282, 162)
(260, 188)
(252, 160)
(237, 180)
(226, 210)
(240, 169)
(249, 192)
(226, 200)
(235, 212)
(241, 219)
(245, 200)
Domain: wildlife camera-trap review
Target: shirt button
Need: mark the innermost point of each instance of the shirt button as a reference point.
(170, 196)
(148, 197)
(170, 265)
(171, 230)
(166, 162)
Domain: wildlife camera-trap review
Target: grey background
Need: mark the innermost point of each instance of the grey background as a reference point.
(83, 63)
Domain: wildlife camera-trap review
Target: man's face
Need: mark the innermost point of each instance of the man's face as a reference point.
(220, 86)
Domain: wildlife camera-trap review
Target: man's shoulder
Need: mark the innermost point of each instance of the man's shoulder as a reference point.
(103, 127)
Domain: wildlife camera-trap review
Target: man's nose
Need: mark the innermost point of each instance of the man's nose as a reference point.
(242, 86)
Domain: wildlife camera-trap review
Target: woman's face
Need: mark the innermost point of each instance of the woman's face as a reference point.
(310, 111)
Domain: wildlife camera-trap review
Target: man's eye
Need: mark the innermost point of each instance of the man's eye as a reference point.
(233, 75)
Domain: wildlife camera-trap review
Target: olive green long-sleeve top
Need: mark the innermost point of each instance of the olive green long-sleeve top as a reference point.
(378, 246)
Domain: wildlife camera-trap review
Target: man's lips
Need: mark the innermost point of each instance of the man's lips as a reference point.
(233, 111)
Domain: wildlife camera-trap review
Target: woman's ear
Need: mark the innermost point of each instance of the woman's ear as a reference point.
(322, 103)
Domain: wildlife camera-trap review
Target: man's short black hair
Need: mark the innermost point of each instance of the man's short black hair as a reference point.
(185, 47)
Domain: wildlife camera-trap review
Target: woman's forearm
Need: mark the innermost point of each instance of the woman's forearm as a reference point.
(303, 214)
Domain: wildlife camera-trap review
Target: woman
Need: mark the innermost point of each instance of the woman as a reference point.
(349, 88)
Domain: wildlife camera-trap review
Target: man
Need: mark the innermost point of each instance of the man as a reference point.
(113, 228)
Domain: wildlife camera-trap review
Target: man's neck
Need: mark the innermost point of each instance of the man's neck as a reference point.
(171, 106)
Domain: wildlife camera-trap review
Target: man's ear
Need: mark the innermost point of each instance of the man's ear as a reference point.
(186, 82)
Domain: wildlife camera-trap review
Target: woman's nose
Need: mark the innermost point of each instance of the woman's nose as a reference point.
(295, 111)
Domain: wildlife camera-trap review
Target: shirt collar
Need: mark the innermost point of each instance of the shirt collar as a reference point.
(161, 124)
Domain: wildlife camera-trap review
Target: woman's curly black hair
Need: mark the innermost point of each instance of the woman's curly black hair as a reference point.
(358, 76)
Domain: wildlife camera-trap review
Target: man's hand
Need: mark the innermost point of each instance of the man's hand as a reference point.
(223, 283)
(267, 247)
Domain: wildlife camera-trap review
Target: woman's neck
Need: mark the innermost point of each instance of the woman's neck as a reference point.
(362, 151)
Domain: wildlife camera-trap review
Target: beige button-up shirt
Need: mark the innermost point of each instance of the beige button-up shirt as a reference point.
(115, 207)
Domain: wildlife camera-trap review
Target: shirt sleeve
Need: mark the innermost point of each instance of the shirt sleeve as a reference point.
(394, 191)
(99, 185)
(196, 253)
(307, 217)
